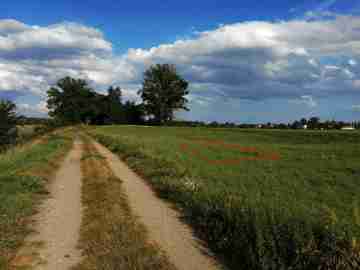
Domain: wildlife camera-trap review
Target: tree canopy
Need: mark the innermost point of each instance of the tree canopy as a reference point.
(69, 101)
(74, 101)
(163, 91)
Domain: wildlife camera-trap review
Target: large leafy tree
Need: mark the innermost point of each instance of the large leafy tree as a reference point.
(71, 100)
(8, 121)
(114, 107)
(163, 92)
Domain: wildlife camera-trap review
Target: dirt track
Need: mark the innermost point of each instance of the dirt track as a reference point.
(53, 245)
(162, 221)
(56, 227)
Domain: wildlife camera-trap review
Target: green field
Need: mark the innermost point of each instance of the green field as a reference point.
(299, 211)
(23, 171)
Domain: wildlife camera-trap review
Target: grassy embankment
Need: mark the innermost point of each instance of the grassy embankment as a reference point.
(298, 212)
(24, 171)
(111, 237)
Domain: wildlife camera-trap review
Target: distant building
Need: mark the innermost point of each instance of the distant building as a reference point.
(305, 126)
(348, 128)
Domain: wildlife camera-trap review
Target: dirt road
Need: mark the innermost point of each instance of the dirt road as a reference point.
(162, 221)
(53, 245)
(56, 227)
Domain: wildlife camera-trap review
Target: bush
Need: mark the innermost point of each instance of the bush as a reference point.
(8, 121)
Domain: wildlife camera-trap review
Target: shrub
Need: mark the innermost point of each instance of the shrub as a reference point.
(8, 121)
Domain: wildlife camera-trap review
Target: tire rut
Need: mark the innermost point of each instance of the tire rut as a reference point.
(53, 243)
(162, 222)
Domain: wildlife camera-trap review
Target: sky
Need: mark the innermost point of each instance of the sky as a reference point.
(246, 61)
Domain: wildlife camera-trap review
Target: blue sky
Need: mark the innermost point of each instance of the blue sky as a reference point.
(247, 61)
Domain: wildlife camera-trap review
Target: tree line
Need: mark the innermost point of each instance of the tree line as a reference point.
(163, 92)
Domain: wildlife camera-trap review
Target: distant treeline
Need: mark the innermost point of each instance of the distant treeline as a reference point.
(312, 123)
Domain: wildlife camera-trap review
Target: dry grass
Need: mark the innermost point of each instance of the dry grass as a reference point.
(111, 237)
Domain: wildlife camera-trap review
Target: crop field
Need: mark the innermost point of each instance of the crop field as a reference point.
(263, 199)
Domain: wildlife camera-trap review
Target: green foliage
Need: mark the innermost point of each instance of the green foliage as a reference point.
(8, 121)
(163, 92)
(299, 212)
(73, 101)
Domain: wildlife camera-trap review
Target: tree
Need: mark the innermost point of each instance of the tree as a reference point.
(303, 121)
(134, 113)
(8, 121)
(314, 122)
(296, 125)
(71, 100)
(115, 108)
(163, 92)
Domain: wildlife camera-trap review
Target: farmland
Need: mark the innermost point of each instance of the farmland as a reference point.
(296, 210)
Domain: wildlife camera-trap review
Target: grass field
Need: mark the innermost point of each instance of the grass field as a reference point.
(23, 171)
(298, 210)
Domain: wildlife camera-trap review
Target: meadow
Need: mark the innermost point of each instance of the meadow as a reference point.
(262, 199)
(24, 172)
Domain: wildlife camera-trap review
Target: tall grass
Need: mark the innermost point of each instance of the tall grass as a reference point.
(296, 213)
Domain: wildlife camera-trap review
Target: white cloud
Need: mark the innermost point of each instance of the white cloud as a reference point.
(60, 40)
(263, 59)
(248, 60)
(33, 58)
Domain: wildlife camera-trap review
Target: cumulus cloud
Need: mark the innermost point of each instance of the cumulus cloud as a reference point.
(32, 58)
(262, 59)
(55, 41)
(300, 59)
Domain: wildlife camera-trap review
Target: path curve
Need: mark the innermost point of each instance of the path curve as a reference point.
(53, 244)
(161, 220)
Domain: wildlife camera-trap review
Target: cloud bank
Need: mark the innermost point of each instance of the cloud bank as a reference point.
(301, 59)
